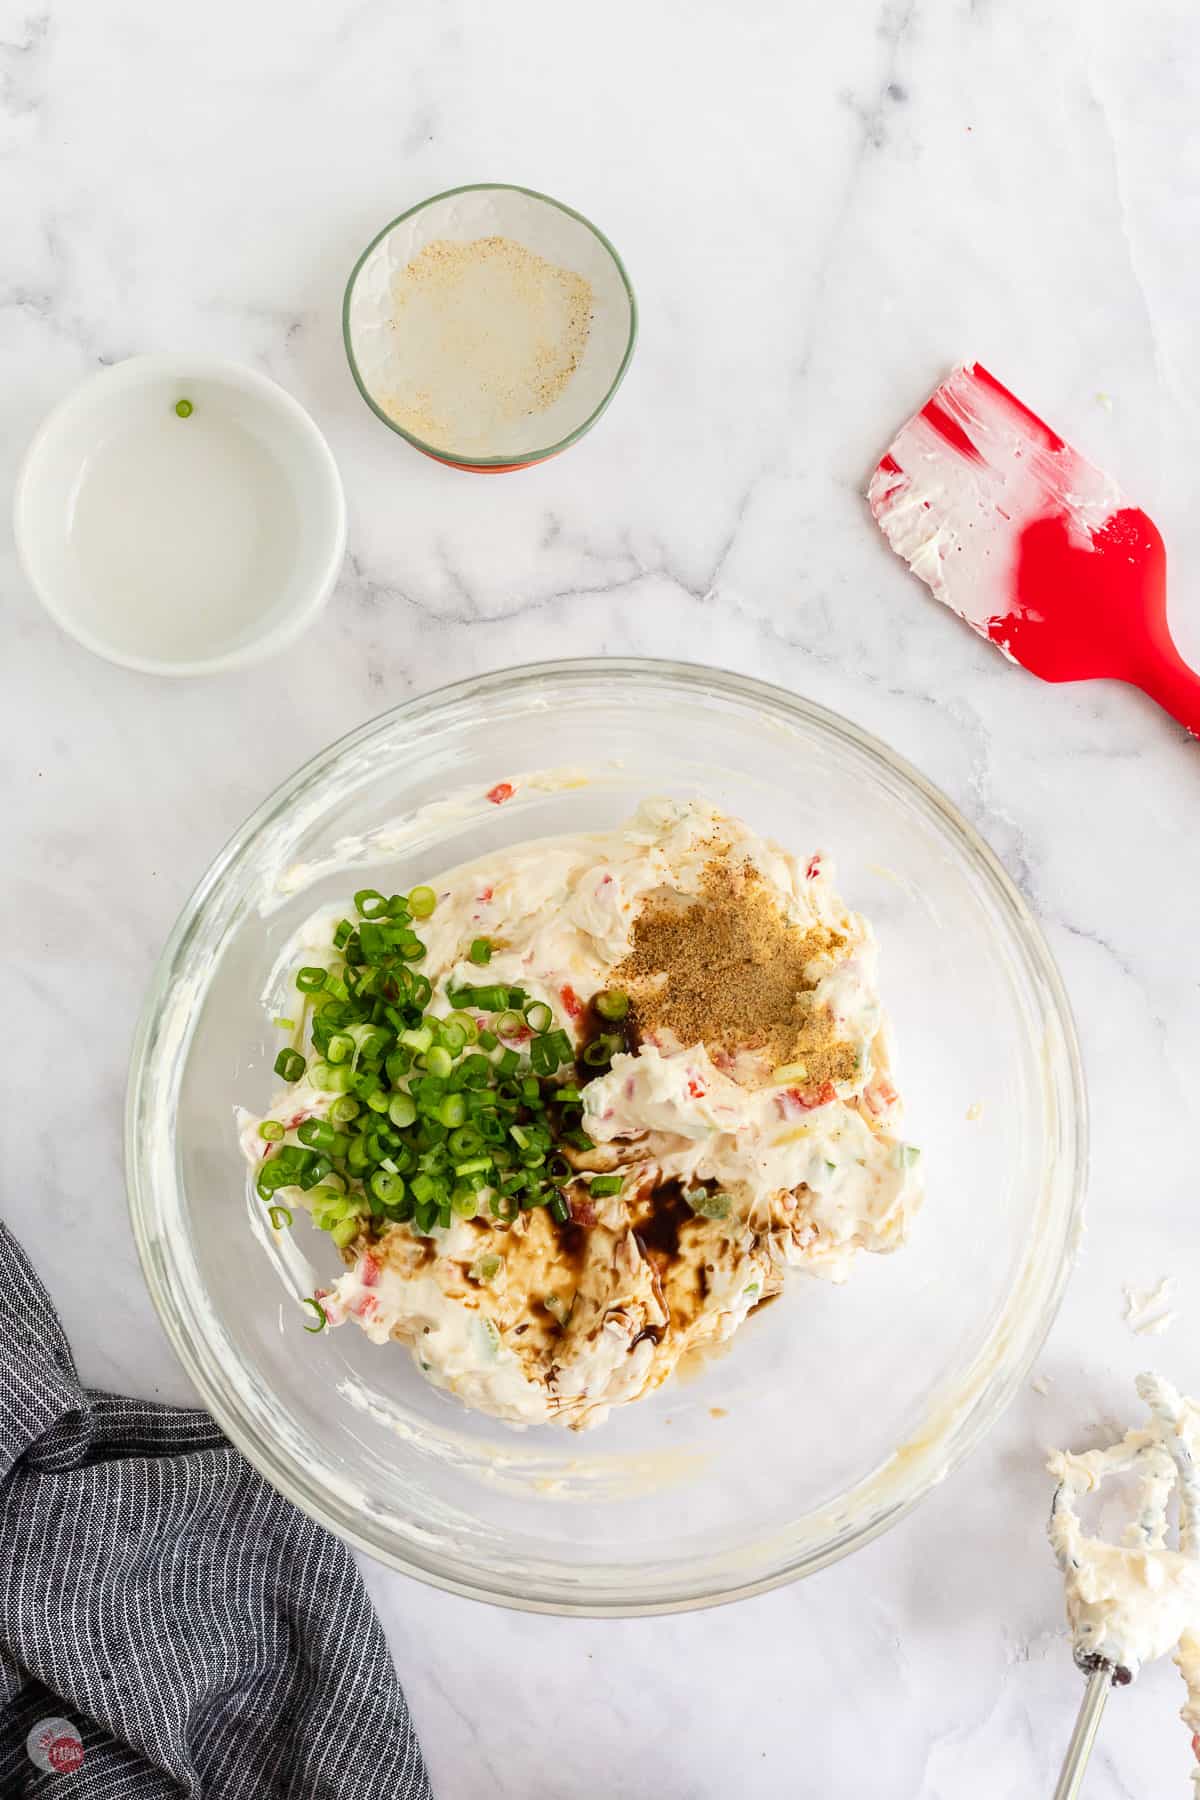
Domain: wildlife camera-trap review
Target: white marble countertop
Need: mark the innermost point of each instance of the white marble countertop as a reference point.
(821, 210)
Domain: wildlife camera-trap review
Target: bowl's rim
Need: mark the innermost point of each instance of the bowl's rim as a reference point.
(508, 460)
(283, 1474)
(142, 370)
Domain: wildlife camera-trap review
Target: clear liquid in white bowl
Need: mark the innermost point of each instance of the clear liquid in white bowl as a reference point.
(181, 531)
(180, 545)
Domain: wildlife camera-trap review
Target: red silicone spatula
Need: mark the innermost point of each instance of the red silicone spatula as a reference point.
(1035, 547)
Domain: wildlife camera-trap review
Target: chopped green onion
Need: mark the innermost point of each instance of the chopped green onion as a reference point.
(491, 1333)
(370, 1041)
(427, 1216)
(316, 1134)
(485, 1268)
(322, 1320)
(706, 1205)
(357, 1157)
(614, 1004)
(327, 1196)
(280, 1218)
(401, 1110)
(489, 999)
(386, 1186)
(282, 1024)
(316, 1171)
(429, 1118)
(184, 409)
(372, 941)
(270, 1131)
(290, 1156)
(606, 1184)
(331, 1080)
(371, 903)
(290, 1065)
(558, 1308)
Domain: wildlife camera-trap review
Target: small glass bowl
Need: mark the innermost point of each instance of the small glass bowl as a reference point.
(540, 224)
(833, 1412)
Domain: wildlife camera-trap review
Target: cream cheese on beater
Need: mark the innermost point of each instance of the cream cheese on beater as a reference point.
(1132, 1602)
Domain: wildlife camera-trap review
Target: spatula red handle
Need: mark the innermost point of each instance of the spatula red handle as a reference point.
(1167, 678)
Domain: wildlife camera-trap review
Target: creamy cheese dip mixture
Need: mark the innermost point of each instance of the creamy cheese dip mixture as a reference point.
(715, 1007)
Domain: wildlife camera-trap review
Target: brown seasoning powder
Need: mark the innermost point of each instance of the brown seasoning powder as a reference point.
(727, 970)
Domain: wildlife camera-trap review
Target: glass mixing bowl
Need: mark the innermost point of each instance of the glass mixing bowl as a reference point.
(831, 1413)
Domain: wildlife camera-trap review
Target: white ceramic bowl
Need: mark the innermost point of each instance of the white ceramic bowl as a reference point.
(180, 545)
(834, 1411)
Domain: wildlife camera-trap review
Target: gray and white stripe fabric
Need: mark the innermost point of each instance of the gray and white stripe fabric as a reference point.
(199, 1634)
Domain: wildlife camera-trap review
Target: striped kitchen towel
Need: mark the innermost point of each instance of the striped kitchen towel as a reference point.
(168, 1623)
